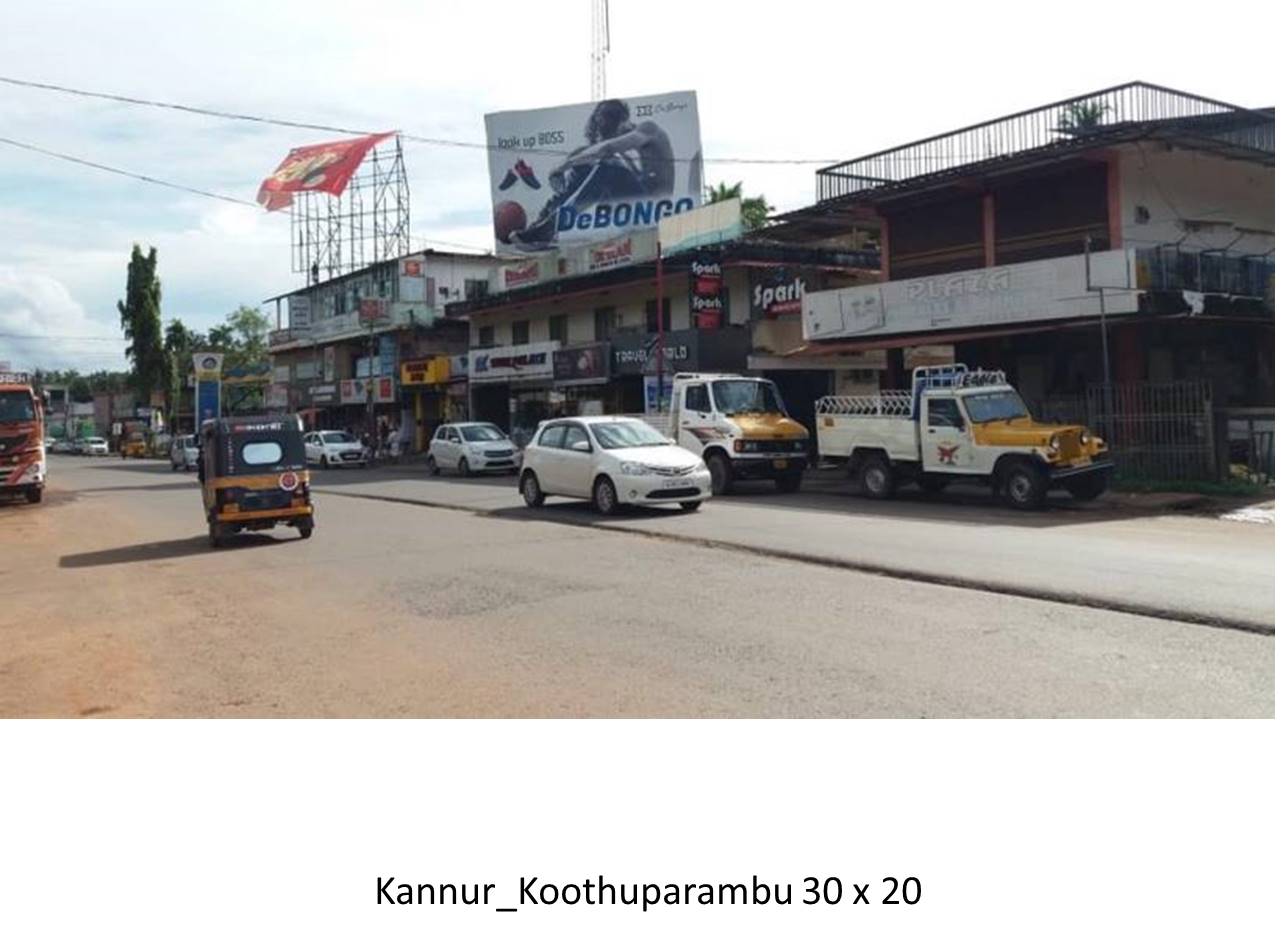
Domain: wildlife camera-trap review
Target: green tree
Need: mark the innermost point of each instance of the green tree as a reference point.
(180, 344)
(141, 322)
(248, 332)
(1082, 116)
(754, 209)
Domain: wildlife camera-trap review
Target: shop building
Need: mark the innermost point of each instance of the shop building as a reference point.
(543, 344)
(377, 335)
(1127, 232)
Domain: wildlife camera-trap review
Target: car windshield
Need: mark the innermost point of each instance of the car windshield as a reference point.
(738, 396)
(478, 433)
(16, 406)
(338, 437)
(994, 406)
(613, 435)
(94, 440)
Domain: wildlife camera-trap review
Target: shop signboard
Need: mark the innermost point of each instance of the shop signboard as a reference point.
(354, 391)
(208, 369)
(705, 292)
(583, 365)
(647, 167)
(513, 363)
(1050, 289)
(635, 353)
(610, 254)
(520, 275)
(413, 281)
(432, 371)
(323, 394)
(777, 292)
(371, 311)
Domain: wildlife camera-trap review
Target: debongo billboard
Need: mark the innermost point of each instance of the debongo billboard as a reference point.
(591, 172)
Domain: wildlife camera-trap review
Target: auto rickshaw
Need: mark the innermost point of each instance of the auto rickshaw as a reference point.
(135, 445)
(253, 475)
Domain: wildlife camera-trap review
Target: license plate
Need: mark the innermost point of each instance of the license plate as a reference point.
(780, 464)
(674, 484)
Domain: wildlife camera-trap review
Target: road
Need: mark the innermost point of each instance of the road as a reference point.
(113, 605)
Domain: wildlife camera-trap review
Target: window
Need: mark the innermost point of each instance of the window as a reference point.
(558, 328)
(260, 453)
(17, 406)
(552, 436)
(338, 437)
(944, 413)
(576, 435)
(649, 315)
(615, 434)
(473, 288)
(697, 398)
(522, 332)
(746, 396)
(604, 323)
(453, 436)
(995, 406)
(441, 434)
(486, 336)
(482, 433)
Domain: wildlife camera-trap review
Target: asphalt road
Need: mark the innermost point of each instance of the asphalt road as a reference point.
(113, 605)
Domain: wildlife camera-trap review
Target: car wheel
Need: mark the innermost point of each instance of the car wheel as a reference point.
(432, 466)
(720, 474)
(1024, 486)
(325, 462)
(875, 477)
(532, 495)
(463, 467)
(691, 505)
(605, 496)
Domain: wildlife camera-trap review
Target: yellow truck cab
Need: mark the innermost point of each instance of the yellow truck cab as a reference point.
(959, 425)
(738, 425)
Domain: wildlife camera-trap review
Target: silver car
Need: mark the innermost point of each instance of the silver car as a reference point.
(183, 452)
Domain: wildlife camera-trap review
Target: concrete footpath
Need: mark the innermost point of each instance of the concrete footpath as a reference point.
(1166, 555)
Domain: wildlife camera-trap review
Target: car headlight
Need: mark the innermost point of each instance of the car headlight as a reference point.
(632, 469)
(1053, 443)
(1085, 438)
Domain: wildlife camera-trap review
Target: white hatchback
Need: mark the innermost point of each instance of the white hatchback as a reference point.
(334, 449)
(472, 447)
(611, 460)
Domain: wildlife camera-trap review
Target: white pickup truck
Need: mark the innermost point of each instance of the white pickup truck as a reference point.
(959, 425)
(738, 425)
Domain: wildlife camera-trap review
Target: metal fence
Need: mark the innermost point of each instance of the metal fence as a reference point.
(1169, 267)
(1155, 430)
(1071, 124)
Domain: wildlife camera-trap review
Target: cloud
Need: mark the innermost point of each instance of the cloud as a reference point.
(41, 325)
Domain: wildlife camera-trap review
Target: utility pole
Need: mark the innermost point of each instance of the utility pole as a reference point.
(660, 326)
(370, 393)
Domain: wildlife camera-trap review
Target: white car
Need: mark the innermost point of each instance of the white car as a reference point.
(93, 447)
(472, 447)
(611, 460)
(183, 452)
(334, 449)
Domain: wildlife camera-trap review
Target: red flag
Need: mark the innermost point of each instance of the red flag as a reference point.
(321, 168)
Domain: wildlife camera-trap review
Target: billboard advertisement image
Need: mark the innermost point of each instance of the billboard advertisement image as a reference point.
(594, 171)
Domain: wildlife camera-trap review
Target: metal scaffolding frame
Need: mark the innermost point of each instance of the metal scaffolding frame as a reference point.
(368, 223)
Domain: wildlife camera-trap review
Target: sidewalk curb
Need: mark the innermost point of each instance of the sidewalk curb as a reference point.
(899, 574)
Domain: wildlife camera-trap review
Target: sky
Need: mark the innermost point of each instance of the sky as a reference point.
(808, 80)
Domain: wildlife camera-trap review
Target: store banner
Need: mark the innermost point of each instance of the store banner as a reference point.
(354, 391)
(513, 363)
(322, 394)
(583, 365)
(705, 292)
(613, 254)
(635, 353)
(586, 172)
(520, 275)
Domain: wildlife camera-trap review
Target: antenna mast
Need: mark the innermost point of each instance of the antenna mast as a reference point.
(601, 45)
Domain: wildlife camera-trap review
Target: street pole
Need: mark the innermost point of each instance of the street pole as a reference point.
(370, 394)
(1108, 405)
(660, 327)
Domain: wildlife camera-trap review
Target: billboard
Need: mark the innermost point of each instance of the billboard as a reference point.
(322, 168)
(594, 171)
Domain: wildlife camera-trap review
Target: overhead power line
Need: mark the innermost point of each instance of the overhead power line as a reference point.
(332, 128)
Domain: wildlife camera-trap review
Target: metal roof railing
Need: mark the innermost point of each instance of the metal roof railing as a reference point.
(1124, 111)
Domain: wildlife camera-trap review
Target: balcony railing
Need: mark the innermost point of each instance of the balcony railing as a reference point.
(1120, 112)
(1167, 267)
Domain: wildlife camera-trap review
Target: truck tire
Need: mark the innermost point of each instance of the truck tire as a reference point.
(1023, 486)
(720, 474)
(875, 477)
(35, 494)
(1087, 487)
(789, 482)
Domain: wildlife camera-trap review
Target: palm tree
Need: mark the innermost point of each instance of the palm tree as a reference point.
(754, 210)
(1082, 116)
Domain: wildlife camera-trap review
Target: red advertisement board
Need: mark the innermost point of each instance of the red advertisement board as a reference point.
(321, 168)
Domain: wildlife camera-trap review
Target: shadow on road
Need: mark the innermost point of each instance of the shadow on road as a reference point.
(161, 551)
(146, 487)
